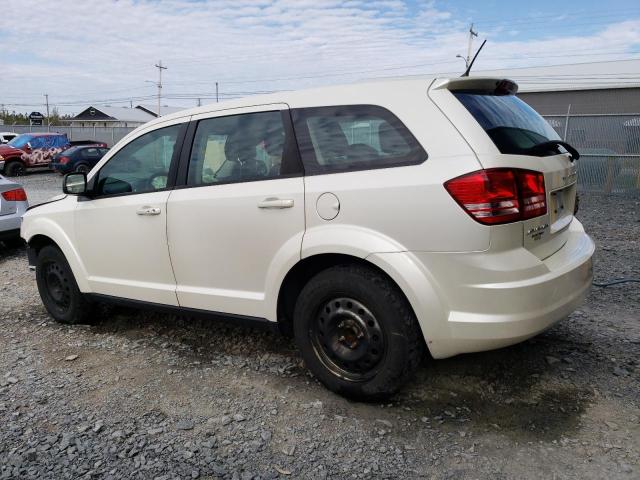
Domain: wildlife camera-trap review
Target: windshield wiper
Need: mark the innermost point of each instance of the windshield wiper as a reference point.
(545, 146)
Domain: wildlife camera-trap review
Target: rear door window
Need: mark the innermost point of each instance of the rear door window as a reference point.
(242, 148)
(353, 137)
(513, 125)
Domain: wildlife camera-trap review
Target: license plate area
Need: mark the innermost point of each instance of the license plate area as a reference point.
(561, 206)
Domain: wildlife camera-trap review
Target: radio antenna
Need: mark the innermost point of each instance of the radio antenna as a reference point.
(466, 72)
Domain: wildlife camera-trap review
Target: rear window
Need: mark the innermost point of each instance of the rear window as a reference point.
(69, 151)
(513, 125)
(353, 137)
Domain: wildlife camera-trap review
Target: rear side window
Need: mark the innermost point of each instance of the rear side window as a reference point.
(242, 148)
(353, 137)
(513, 125)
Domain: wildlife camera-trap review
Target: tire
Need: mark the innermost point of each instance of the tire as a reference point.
(357, 332)
(82, 168)
(58, 288)
(14, 169)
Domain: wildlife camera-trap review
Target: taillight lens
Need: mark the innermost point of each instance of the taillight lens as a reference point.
(17, 195)
(532, 193)
(63, 160)
(500, 195)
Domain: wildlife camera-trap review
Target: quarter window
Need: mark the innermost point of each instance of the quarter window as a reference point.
(240, 148)
(140, 166)
(353, 137)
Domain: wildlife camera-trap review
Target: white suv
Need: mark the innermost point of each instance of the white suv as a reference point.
(370, 220)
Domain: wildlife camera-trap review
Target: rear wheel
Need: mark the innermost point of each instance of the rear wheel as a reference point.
(14, 169)
(357, 333)
(58, 288)
(82, 168)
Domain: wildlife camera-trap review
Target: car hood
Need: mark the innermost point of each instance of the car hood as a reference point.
(6, 150)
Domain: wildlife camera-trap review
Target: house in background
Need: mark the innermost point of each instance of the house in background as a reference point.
(164, 109)
(105, 116)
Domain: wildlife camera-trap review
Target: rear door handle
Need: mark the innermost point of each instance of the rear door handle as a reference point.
(276, 203)
(148, 211)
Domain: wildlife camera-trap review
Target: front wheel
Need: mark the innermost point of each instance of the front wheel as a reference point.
(357, 332)
(14, 169)
(58, 288)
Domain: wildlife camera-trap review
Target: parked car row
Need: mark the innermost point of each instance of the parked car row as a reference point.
(37, 150)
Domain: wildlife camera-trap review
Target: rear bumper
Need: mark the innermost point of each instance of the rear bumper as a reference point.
(489, 300)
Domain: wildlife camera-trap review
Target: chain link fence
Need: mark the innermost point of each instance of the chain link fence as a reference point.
(108, 135)
(609, 146)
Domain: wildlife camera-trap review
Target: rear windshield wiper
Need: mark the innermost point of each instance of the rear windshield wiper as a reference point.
(545, 146)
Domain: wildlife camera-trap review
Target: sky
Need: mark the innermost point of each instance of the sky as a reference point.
(103, 52)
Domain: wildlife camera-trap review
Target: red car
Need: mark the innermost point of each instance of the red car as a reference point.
(34, 150)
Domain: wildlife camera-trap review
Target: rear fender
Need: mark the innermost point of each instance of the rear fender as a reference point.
(392, 258)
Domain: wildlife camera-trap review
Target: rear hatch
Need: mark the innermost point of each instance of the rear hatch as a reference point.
(506, 133)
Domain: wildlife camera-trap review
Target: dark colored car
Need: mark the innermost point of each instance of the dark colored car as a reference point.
(81, 158)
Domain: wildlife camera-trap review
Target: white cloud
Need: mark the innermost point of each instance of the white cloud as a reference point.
(102, 49)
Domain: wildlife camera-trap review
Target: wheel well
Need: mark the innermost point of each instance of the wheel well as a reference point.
(37, 242)
(302, 272)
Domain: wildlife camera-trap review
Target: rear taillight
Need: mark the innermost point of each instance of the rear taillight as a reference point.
(500, 195)
(63, 160)
(17, 195)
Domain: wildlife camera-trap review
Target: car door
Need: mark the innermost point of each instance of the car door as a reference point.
(238, 219)
(121, 226)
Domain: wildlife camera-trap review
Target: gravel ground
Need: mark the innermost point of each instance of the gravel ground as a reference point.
(143, 395)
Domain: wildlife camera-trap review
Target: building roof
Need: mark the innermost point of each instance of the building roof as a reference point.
(164, 109)
(579, 76)
(114, 114)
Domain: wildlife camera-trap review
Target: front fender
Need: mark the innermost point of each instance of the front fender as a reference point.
(41, 225)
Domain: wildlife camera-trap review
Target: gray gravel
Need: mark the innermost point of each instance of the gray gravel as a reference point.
(143, 395)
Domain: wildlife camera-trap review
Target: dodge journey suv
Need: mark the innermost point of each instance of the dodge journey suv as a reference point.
(371, 221)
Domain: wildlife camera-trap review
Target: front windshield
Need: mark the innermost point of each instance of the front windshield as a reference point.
(20, 141)
(513, 125)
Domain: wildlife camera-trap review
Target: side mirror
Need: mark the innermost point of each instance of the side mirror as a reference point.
(75, 183)
(28, 145)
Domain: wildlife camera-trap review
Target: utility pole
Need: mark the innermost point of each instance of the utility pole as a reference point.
(46, 98)
(199, 103)
(160, 68)
(216, 92)
(472, 34)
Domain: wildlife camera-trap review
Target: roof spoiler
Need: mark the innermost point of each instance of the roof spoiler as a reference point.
(486, 85)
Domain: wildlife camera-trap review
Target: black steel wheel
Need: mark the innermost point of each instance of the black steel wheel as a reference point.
(14, 169)
(82, 168)
(58, 289)
(348, 339)
(357, 332)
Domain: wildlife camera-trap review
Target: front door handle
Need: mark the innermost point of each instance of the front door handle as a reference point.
(148, 211)
(276, 203)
